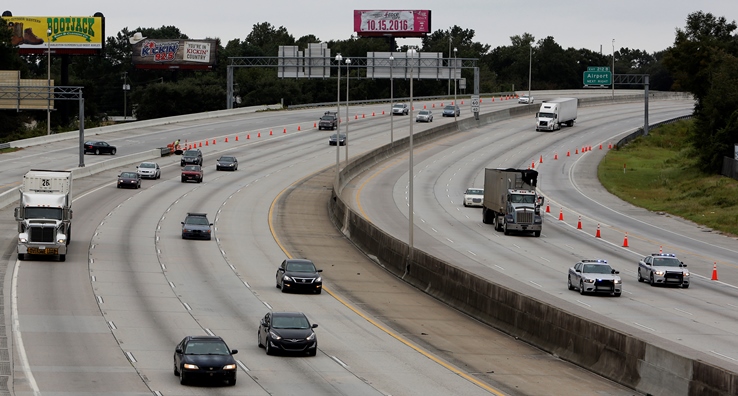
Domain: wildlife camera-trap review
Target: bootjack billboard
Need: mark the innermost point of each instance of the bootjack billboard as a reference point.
(64, 35)
(175, 54)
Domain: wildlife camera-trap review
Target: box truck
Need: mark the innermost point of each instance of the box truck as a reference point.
(555, 112)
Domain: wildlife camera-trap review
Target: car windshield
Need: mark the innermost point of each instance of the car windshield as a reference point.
(190, 153)
(666, 262)
(226, 159)
(423, 112)
(449, 108)
(197, 220)
(43, 213)
(399, 106)
(147, 165)
(128, 175)
(545, 115)
(290, 322)
(327, 118)
(597, 269)
(206, 348)
(191, 168)
(300, 267)
(474, 191)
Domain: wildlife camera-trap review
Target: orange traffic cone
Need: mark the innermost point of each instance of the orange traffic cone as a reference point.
(540, 160)
(441, 104)
(661, 250)
(315, 124)
(609, 145)
(625, 241)
(533, 165)
(259, 134)
(356, 116)
(556, 156)
(284, 130)
(576, 151)
(298, 127)
(236, 137)
(248, 136)
(579, 223)
(382, 112)
(714, 271)
(568, 154)
(462, 102)
(493, 98)
(207, 143)
(434, 105)
(363, 115)
(226, 139)
(600, 146)
(597, 235)
(213, 142)
(373, 113)
(561, 214)
(548, 209)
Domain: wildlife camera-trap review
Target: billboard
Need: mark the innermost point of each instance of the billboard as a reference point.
(394, 23)
(175, 54)
(63, 35)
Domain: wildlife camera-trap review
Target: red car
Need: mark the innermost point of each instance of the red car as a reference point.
(192, 172)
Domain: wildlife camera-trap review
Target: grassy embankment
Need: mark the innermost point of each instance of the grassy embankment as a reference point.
(661, 175)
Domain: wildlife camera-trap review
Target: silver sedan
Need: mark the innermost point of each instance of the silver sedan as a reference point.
(149, 170)
(424, 116)
(663, 269)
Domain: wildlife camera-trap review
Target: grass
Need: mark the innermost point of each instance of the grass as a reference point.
(659, 173)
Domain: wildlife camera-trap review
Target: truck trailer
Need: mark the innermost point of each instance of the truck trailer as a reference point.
(553, 113)
(511, 201)
(44, 215)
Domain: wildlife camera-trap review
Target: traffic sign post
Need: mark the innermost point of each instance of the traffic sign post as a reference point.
(475, 103)
(597, 77)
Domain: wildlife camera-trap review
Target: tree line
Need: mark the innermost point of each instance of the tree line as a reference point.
(702, 61)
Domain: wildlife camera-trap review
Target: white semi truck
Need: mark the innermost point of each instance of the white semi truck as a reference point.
(44, 215)
(511, 201)
(555, 112)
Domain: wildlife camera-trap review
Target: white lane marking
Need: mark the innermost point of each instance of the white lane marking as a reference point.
(584, 303)
(683, 311)
(25, 365)
(247, 284)
(163, 267)
(171, 284)
(210, 332)
(470, 252)
(130, 357)
(725, 356)
(93, 278)
(187, 306)
(499, 267)
(267, 305)
(645, 327)
(449, 240)
(536, 284)
(243, 366)
(112, 325)
(433, 229)
(100, 300)
(337, 360)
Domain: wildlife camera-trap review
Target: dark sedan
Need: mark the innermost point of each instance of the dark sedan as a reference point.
(337, 138)
(98, 147)
(289, 332)
(451, 111)
(226, 162)
(193, 172)
(299, 274)
(129, 180)
(204, 357)
(196, 226)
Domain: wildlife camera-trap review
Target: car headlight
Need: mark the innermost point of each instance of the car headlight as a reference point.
(61, 239)
(659, 273)
(120, 181)
(23, 238)
(287, 278)
(274, 335)
(588, 280)
(319, 279)
(311, 337)
(685, 274)
(191, 366)
(618, 281)
(229, 367)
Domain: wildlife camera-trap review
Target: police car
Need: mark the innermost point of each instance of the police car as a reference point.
(594, 276)
(663, 269)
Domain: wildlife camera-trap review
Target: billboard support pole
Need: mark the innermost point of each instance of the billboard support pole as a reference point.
(81, 130)
(229, 88)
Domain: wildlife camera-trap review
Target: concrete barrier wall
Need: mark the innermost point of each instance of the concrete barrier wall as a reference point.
(604, 350)
(11, 196)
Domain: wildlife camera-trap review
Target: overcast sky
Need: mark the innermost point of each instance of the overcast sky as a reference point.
(644, 24)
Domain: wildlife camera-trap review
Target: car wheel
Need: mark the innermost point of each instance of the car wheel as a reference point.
(284, 290)
(313, 352)
(182, 379)
(618, 294)
(319, 291)
(581, 287)
(97, 151)
(183, 180)
(651, 281)
(21, 256)
(112, 152)
(258, 339)
(267, 348)
(62, 257)
(465, 205)
(118, 186)
(640, 278)
(232, 381)
(176, 371)
(685, 286)
(568, 283)
(182, 164)
(506, 231)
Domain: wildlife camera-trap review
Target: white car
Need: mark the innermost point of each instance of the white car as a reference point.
(525, 99)
(149, 170)
(663, 269)
(473, 197)
(400, 109)
(594, 276)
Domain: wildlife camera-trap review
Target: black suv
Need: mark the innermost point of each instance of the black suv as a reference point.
(191, 157)
(329, 120)
(196, 226)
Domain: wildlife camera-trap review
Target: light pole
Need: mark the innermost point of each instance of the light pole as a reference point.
(612, 75)
(48, 82)
(346, 144)
(530, 67)
(339, 58)
(411, 52)
(126, 88)
(392, 100)
(455, 105)
(449, 58)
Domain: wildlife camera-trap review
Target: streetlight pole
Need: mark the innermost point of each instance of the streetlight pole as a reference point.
(411, 52)
(455, 104)
(530, 67)
(612, 75)
(339, 58)
(392, 100)
(449, 58)
(48, 82)
(345, 149)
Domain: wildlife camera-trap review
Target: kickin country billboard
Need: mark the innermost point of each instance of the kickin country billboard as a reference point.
(175, 54)
(68, 35)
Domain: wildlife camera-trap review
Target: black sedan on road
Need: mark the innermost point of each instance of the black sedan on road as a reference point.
(98, 147)
(289, 332)
(129, 180)
(196, 226)
(204, 357)
(226, 162)
(337, 138)
(299, 274)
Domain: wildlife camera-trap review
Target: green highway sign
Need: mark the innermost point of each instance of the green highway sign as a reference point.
(597, 78)
(598, 68)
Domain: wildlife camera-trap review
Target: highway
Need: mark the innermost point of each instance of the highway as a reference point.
(106, 320)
